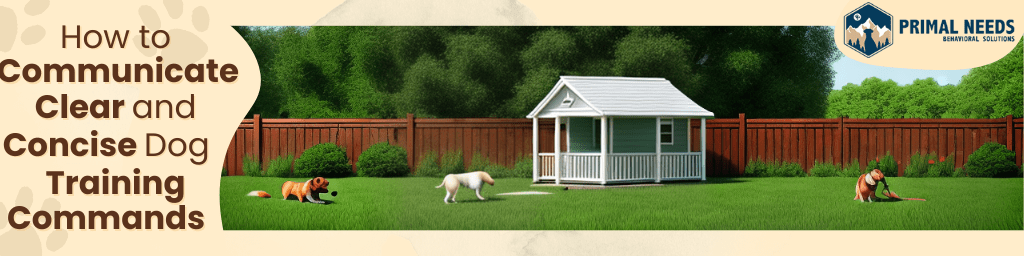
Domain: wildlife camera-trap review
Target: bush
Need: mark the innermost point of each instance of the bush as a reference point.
(383, 160)
(428, 166)
(940, 167)
(852, 169)
(280, 167)
(498, 171)
(759, 168)
(523, 168)
(991, 160)
(825, 170)
(918, 166)
(959, 172)
(451, 163)
(479, 162)
(223, 171)
(888, 165)
(251, 167)
(872, 165)
(323, 160)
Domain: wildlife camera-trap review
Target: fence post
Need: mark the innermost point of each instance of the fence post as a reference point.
(743, 143)
(257, 128)
(1009, 132)
(842, 139)
(410, 140)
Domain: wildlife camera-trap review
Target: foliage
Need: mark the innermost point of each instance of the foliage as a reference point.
(888, 165)
(760, 168)
(223, 171)
(280, 167)
(428, 166)
(498, 171)
(991, 160)
(383, 160)
(990, 91)
(382, 72)
(323, 160)
(918, 165)
(872, 165)
(523, 168)
(451, 163)
(852, 169)
(478, 163)
(825, 170)
(251, 167)
(943, 167)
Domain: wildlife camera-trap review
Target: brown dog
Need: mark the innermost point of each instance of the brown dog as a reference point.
(308, 191)
(867, 184)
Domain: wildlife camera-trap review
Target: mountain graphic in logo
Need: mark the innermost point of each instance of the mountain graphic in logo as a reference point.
(868, 30)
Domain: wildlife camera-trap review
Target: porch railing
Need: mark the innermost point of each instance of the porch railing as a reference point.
(586, 167)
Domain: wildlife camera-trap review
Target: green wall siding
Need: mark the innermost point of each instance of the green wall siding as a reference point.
(633, 135)
(581, 133)
(678, 137)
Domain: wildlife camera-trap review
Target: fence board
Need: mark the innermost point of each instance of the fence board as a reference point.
(504, 141)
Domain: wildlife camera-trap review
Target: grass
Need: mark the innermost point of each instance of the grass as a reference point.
(412, 203)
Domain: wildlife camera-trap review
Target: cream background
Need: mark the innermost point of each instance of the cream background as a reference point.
(220, 107)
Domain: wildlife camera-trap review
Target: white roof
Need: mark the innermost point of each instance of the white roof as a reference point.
(617, 96)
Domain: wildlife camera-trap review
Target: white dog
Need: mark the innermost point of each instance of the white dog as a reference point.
(472, 180)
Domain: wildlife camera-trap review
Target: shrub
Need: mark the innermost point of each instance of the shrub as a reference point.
(959, 172)
(872, 165)
(323, 160)
(251, 167)
(888, 165)
(428, 166)
(383, 160)
(759, 168)
(223, 171)
(479, 162)
(523, 168)
(940, 167)
(852, 169)
(498, 171)
(825, 170)
(280, 167)
(918, 166)
(991, 160)
(451, 162)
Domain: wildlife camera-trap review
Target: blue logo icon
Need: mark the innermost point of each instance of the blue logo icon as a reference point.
(868, 30)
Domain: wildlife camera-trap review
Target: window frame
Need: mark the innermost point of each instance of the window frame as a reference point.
(671, 131)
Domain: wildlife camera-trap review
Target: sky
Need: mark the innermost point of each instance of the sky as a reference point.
(852, 71)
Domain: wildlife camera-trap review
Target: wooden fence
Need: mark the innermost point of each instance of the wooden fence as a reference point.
(733, 141)
(501, 140)
(730, 141)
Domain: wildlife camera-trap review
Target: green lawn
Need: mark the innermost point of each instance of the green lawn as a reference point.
(718, 204)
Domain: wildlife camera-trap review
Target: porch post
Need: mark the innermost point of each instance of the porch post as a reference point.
(703, 150)
(536, 155)
(558, 150)
(657, 150)
(604, 150)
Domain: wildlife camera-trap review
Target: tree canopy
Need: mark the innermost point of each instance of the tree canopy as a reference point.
(991, 91)
(385, 72)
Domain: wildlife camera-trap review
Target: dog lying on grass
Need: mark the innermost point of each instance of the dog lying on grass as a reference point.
(309, 190)
(471, 180)
(867, 184)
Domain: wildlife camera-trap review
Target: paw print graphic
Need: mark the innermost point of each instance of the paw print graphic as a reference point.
(26, 241)
(9, 25)
(185, 46)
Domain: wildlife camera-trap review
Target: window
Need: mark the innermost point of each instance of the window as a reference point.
(666, 131)
(597, 132)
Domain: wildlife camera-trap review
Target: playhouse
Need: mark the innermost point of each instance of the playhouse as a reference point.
(619, 130)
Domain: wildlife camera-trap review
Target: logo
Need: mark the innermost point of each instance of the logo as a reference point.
(868, 30)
